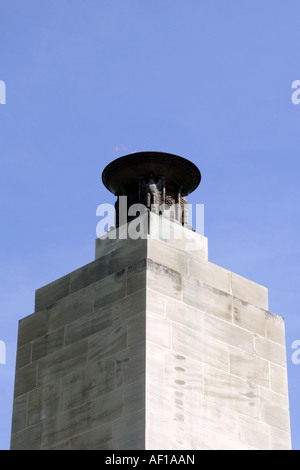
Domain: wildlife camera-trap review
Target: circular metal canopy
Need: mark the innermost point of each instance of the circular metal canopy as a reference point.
(126, 170)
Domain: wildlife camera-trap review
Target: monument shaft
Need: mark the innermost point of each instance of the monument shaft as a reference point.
(151, 346)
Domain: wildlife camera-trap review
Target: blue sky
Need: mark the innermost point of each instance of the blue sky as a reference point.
(89, 81)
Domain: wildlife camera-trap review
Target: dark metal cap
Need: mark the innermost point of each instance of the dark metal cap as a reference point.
(126, 170)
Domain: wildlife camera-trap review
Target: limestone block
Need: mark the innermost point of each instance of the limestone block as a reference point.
(209, 274)
(274, 410)
(231, 392)
(107, 342)
(249, 291)
(129, 306)
(178, 236)
(164, 280)
(136, 330)
(248, 316)
(280, 440)
(228, 333)
(249, 367)
(167, 255)
(279, 382)
(221, 421)
(270, 351)
(62, 445)
(129, 365)
(164, 433)
(19, 414)
(207, 299)
(23, 355)
(158, 330)
(66, 425)
(164, 400)
(134, 397)
(198, 346)
(254, 433)
(47, 344)
(127, 254)
(43, 403)
(155, 302)
(117, 239)
(99, 438)
(92, 380)
(29, 439)
(52, 292)
(26, 379)
(183, 373)
(110, 289)
(186, 420)
(136, 277)
(88, 325)
(275, 330)
(107, 408)
(155, 355)
(129, 432)
(70, 308)
(179, 312)
(54, 366)
(32, 327)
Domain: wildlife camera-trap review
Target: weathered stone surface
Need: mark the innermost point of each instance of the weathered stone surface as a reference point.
(92, 380)
(107, 342)
(88, 325)
(47, 344)
(278, 378)
(54, 366)
(43, 403)
(32, 327)
(23, 355)
(275, 330)
(178, 236)
(207, 299)
(249, 367)
(151, 346)
(209, 273)
(26, 379)
(52, 292)
(248, 316)
(110, 289)
(99, 438)
(136, 277)
(70, 308)
(274, 410)
(129, 432)
(167, 255)
(228, 333)
(196, 344)
(270, 351)
(249, 291)
(112, 262)
(28, 439)
(164, 280)
(20, 414)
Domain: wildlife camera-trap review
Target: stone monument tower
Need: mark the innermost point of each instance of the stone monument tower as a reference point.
(151, 346)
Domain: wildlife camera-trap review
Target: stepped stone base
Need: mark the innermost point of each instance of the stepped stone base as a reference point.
(151, 346)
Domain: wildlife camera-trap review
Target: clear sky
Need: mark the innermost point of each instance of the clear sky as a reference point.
(89, 81)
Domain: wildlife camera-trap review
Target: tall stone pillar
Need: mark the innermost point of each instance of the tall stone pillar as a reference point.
(151, 346)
